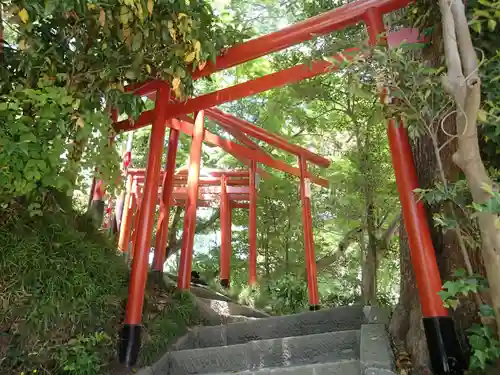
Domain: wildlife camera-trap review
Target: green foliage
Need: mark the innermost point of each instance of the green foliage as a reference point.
(65, 65)
(482, 339)
(492, 205)
(32, 148)
(61, 288)
(485, 346)
(463, 285)
(80, 356)
(289, 294)
(484, 17)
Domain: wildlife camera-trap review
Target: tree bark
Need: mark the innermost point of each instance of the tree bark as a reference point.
(406, 327)
(369, 285)
(464, 85)
(406, 324)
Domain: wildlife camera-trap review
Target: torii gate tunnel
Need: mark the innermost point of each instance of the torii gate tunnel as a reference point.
(447, 356)
(227, 189)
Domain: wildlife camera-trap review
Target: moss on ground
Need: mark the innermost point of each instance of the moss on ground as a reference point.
(62, 293)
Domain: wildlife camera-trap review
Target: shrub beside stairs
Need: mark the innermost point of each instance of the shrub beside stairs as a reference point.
(349, 340)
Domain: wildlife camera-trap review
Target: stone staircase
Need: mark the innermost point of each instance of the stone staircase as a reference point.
(349, 340)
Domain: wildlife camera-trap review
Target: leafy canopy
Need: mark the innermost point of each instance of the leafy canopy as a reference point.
(65, 65)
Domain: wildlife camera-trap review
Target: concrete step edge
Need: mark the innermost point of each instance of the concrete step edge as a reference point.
(261, 354)
(248, 343)
(375, 348)
(334, 310)
(314, 368)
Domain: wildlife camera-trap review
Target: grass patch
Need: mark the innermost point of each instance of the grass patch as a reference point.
(168, 314)
(62, 292)
(62, 287)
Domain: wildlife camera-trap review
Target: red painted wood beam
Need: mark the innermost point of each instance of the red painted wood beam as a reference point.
(164, 217)
(129, 338)
(287, 76)
(205, 182)
(322, 24)
(128, 211)
(264, 135)
(181, 203)
(252, 229)
(242, 137)
(215, 190)
(305, 197)
(214, 182)
(188, 233)
(213, 196)
(422, 250)
(239, 150)
(242, 159)
(220, 172)
(225, 229)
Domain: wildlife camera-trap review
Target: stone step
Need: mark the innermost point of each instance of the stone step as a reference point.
(282, 352)
(336, 368)
(232, 308)
(328, 320)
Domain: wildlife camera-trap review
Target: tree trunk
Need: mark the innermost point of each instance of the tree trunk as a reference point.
(406, 326)
(369, 291)
(464, 84)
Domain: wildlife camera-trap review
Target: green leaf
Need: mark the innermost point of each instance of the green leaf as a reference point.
(476, 26)
(28, 137)
(486, 310)
(492, 24)
(481, 356)
(452, 287)
(137, 41)
(478, 342)
(482, 115)
(460, 272)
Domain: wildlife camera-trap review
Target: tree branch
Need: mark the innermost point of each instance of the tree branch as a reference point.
(453, 63)
(386, 237)
(175, 245)
(348, 239)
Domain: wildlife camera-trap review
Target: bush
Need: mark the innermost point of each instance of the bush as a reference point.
(62, 285)
(289, 294)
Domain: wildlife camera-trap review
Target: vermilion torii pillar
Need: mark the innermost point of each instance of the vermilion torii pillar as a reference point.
(305, 198)
(252, 226)
(126, 222)
(168, 185)
(186, 258)
(225, 232)
(446, 354)
(130, 338)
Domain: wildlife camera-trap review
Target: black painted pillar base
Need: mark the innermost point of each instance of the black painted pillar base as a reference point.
(447, 355)
(130, 344)
(314, 307)
(224, 283)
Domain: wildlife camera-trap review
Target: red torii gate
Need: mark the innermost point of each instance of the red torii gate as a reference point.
(230, 190)
(446, 353)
